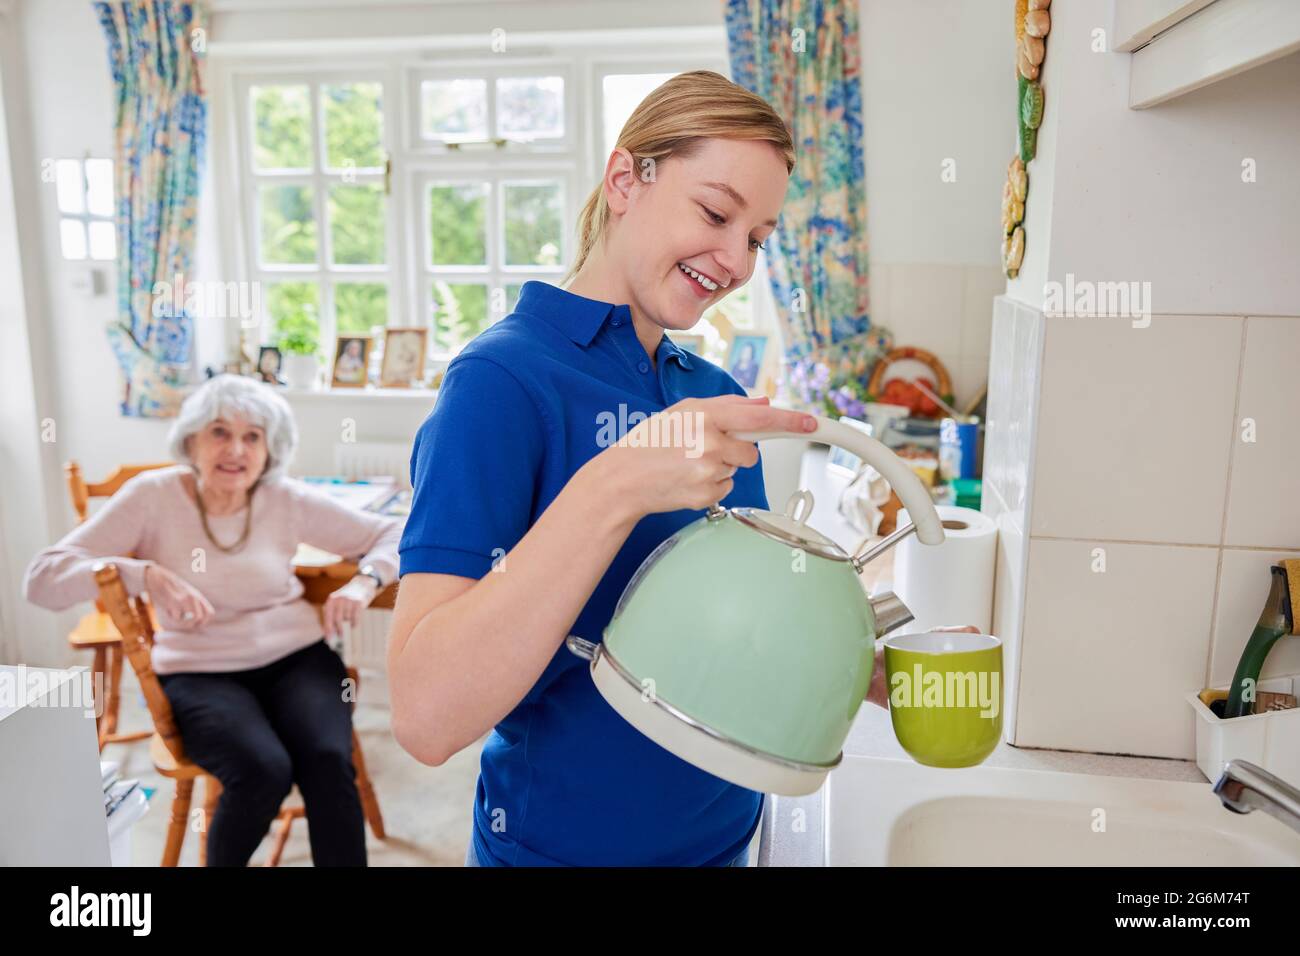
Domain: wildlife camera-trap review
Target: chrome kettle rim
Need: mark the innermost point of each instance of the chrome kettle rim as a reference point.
(593, 652)
(751, 519)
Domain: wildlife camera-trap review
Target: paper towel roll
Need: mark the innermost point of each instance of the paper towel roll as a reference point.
(949, 583)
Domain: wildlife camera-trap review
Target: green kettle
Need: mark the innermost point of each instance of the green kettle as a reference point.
(744, 643)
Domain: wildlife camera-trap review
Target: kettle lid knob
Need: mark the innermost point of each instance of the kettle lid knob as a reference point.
(799, 507)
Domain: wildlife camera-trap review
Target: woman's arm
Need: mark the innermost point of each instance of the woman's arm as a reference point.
(61, 575)
(368, 538)
(463, 653)
(361, 536)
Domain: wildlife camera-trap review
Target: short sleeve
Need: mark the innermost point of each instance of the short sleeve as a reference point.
(475, 467)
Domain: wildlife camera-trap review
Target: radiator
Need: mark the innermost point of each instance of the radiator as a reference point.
(369, 459)
(365, 647)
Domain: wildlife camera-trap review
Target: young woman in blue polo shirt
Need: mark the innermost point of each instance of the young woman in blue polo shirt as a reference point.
(526, 522)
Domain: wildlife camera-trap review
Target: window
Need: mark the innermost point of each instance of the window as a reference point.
(521, 108)
(410, 193)
(481, 240)
(84, 189)
(620, 94)
(317, 165)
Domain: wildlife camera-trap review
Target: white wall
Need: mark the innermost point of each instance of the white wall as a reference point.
(71, 115)
(938, 85)
(1157, 195)
(1123, 444)
(29, 466)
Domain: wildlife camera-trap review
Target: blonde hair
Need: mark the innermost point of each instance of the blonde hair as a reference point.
(674, 120)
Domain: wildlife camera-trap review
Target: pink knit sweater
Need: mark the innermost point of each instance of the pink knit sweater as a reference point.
(261, 615)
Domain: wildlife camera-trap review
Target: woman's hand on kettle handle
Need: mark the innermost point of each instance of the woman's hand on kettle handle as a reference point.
(878, 691)
(685, 456)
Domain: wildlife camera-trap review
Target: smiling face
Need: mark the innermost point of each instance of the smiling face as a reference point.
(690, 237)
(229, 454)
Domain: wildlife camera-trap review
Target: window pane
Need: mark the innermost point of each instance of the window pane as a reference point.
(288, 227)
(72, 238)
(282, 127)
(354, 123)
(530, 107)
(458, 224)
(621, 94)
(359, 306)
(459, 313)
(357, 224)
(502, 300)
(99, 180)
(294, 310)
(103, 240)
(69, 186)
(453, 110)
(532, 224)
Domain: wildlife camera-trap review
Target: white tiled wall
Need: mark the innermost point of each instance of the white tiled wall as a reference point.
(1125, 445)
(1109, 654)
(1014, 364)
(1137, 428)
(1264, 498)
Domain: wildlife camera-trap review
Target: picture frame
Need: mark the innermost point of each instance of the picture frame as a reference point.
(745, 357)
(406, 351)
(351, 361)
(270, 363)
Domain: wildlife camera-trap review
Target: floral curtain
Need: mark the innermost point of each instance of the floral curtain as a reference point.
(155, 51)
(802, 56)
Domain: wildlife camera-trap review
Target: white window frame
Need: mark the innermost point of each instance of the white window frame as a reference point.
(495, 274)
(491, 71)
(324, 272)
(86, 217)
(576, 161)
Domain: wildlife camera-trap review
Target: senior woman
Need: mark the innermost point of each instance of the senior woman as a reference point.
(256, 691)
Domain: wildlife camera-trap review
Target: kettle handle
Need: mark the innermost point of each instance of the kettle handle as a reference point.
(905, 482)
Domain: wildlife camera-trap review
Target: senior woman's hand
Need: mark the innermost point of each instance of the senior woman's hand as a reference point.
(181, 605)
(347, 603)
(878, 692)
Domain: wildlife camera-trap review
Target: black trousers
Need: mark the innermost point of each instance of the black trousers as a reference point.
(260, 731)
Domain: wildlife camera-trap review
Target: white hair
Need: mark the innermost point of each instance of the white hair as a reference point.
(223, 396)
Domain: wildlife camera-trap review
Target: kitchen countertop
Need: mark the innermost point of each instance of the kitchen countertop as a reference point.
(872, 735)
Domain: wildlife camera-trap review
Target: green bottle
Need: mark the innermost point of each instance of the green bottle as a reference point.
(1275, 621)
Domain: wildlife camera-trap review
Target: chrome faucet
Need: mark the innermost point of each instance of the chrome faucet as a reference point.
(1244, 787)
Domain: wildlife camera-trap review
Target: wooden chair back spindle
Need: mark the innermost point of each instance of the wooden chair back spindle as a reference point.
(131, 617)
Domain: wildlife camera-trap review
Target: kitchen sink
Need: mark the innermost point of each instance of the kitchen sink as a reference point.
(889, 812)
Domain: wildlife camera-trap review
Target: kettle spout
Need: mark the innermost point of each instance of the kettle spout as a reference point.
(890, 612)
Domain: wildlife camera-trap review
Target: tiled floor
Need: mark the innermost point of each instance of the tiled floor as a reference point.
(427, 810)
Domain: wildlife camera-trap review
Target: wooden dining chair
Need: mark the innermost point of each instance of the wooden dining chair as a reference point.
(132, 617)
(96, 631)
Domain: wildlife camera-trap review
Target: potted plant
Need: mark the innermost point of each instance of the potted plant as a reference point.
(301, 364)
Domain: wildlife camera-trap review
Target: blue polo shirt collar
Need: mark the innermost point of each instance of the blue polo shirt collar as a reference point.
(672, 348)
(581, 318)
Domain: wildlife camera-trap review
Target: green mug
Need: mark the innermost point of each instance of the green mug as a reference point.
(945, 695)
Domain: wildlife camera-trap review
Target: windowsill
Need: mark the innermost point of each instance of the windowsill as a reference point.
(367, 394)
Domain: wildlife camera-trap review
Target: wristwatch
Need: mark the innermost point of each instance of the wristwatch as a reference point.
(369, 571)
